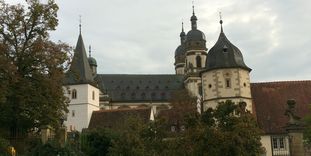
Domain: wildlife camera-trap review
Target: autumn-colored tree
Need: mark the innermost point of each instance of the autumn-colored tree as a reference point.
(31, 68)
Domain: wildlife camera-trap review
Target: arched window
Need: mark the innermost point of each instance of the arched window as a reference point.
(74, 94)
(93, 95)
(199, 61)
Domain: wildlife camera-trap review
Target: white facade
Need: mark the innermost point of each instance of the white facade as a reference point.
(84, 99)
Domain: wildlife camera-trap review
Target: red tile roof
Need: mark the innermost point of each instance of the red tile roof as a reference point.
(269, 101)
(111, 118)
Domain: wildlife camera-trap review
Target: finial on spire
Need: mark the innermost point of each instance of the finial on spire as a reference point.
(80, 21)
(182, 26)
(90, 51)
(193, 8)
(220, 17)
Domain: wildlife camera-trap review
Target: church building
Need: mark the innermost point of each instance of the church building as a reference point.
(212, 75)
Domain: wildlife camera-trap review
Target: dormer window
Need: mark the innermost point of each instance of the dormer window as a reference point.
(225, 48)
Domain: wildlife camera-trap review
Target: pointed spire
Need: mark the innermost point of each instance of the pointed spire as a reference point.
(182, 34)
(90, 55)
(80, 70)
(193, 18)
(220, 16)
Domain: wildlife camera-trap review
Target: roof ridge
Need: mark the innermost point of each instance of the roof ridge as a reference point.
(283, 81)
(142, 74)
(123, 109)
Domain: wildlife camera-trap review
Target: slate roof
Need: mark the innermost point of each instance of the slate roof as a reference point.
(224, 55)
(136, 88)
(80, 70)
(269, 101)
(113, 118)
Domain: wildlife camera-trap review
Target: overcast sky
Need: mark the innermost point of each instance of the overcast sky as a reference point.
(140, 36)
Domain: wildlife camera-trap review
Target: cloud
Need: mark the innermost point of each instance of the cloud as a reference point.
(141, 36)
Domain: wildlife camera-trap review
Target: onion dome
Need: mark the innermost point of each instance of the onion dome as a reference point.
(224, 55)
(92, 61)
(194, 34)
(180, 50)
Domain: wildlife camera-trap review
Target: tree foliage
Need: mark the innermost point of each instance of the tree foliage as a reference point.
(31, 67)
(97, 142)
(228, 130)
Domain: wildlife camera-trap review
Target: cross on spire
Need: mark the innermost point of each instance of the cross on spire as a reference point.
(220, 17)
(193, 7)
(80, 21)
(90, 51)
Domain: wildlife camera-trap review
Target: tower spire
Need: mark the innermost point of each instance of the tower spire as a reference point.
(182, 26)
(193, 18)
(220, 17)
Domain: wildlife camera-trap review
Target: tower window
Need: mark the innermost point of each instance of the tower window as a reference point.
(228, 83)
(93, 95)
(74, 94)
(73, 113)
(209, 86)
(200, 89)
(199, 61)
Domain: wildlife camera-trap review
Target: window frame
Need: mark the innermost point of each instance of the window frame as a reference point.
(74, 94)
(278, 143)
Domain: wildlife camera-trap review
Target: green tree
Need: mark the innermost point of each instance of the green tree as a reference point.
(97, 142)
(227, 130)
(31, 67)
(130, 141)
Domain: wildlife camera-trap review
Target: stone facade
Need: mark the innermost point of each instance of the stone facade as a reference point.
(226, 84)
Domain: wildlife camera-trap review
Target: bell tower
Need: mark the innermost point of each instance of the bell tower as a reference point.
(81, 90)
(226, 76)
(195, 46)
